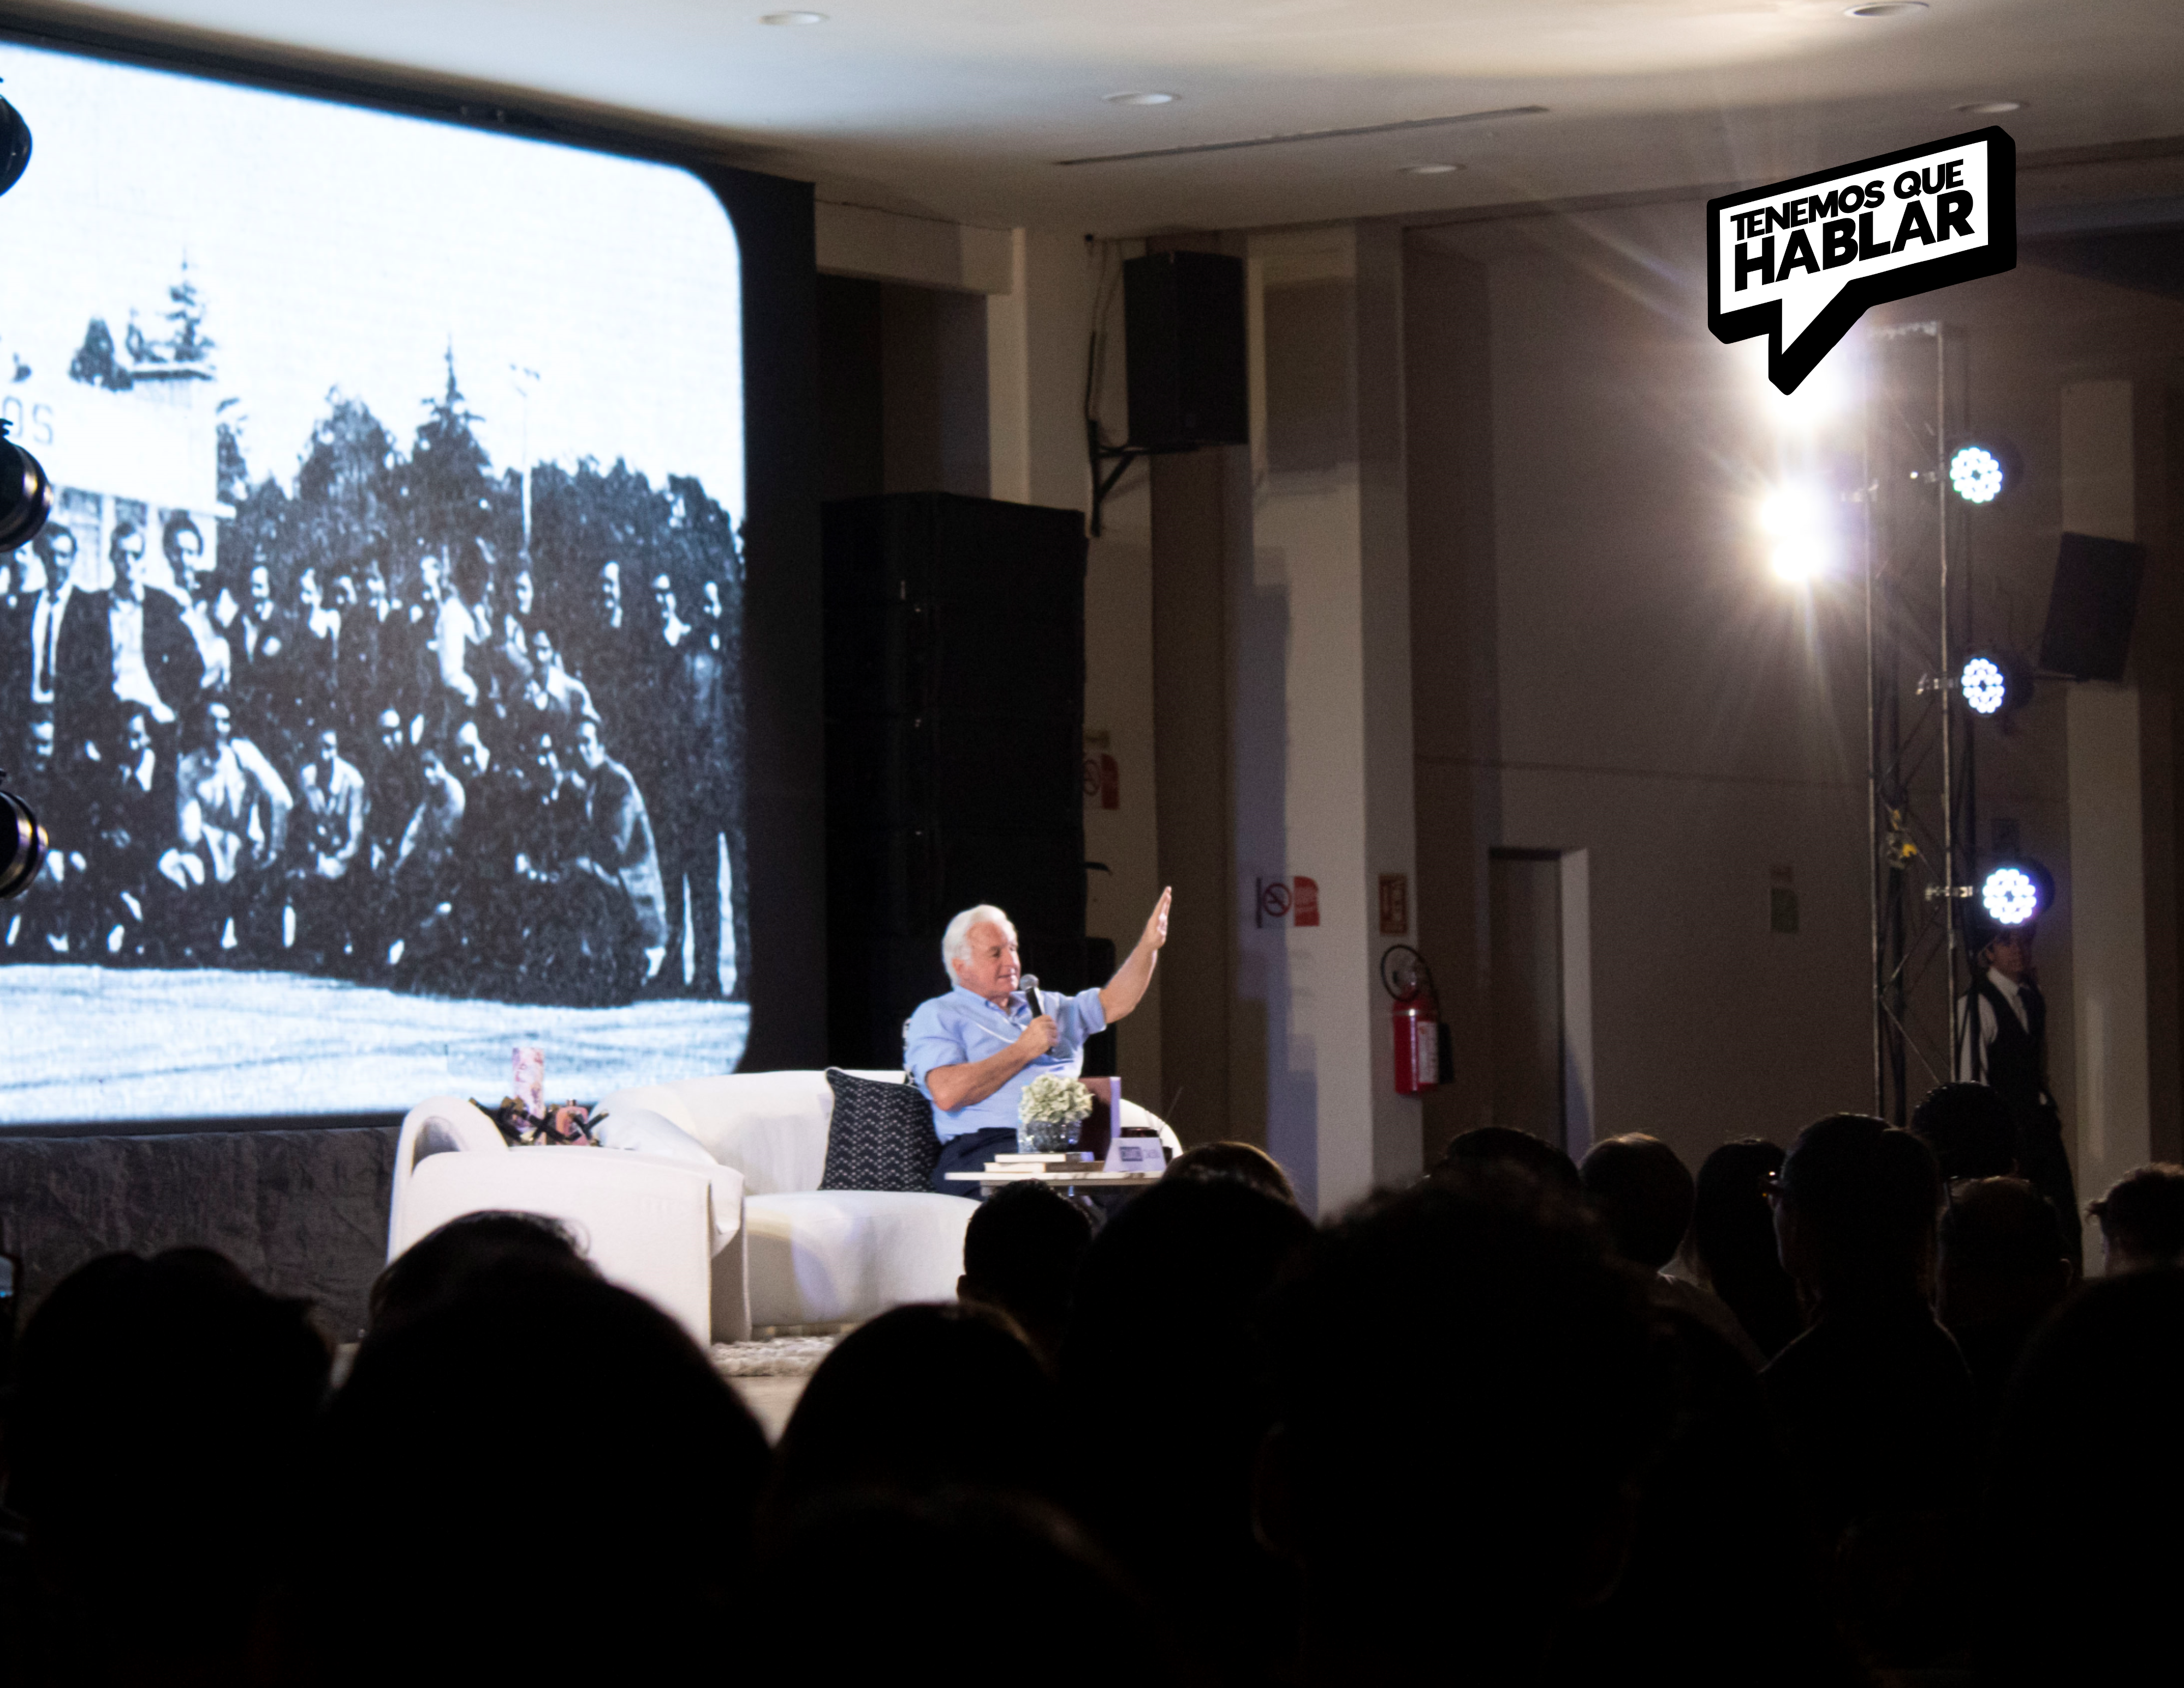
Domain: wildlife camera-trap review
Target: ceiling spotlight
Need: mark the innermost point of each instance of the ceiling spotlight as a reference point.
(1991, 107)
(1985, 687)
(1430, 170)
(2010, 896)
(1976, 473)
(1886, 9)
(790, 19)
(1146, 97)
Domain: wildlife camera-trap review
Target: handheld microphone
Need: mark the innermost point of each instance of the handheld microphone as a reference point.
(1028, 984)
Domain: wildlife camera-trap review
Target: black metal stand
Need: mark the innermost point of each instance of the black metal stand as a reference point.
(1919, 768)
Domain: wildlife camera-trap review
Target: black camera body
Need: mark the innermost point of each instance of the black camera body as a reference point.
(26, 500)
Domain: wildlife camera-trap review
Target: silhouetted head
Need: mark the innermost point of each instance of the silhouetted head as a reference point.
(921, 1398)
(161, 1407)
(1167, 1291)
(1021, 1252)
(1164, 1333)
(465, 1252)
(1504, 1145)
(2100, 1390)
(1245, 1162)
(546, 1482)
(2141, 1218)
(1498, 1375)
(1968, 1130)
(1854, 1210)
(2000, 1263)
(1644, 1193)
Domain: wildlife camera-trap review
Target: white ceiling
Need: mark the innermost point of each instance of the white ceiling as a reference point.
(962, 107)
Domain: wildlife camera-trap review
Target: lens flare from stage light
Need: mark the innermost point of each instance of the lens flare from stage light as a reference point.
(1798, 560)
(1986, 688)
(2010, 896)
(1977, 474)
(1795, 520)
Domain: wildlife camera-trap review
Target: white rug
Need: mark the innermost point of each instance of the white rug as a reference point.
(779, 1356)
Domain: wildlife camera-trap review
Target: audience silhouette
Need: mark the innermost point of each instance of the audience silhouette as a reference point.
(159, 1411)
(537, 1477)
(920, 1399)
(1162, 1367)
(1021, 1254)
(1732, 1243)
(2141, 1218)
(1815, 1420)
(2002, 1271)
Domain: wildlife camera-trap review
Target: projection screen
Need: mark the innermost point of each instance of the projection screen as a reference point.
(379, 676)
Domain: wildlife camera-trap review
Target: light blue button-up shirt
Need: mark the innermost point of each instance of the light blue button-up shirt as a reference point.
(961, 1026)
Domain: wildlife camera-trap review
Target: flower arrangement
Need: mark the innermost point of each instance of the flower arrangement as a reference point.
(1051, 1109)
(563, 1123)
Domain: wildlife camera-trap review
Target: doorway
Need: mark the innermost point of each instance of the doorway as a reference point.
(1539, 994)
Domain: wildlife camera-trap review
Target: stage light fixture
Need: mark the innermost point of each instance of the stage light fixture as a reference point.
(1977, 474)
(2010, 895)
(1985, 687)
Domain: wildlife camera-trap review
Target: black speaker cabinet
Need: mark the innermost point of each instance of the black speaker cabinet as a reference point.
(2091, 608)
(955, 748)
(1182, 319)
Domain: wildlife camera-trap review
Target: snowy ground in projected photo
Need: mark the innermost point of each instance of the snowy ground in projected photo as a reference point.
(233, 1044)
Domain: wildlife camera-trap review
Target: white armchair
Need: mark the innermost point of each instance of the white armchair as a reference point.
(668, 1229)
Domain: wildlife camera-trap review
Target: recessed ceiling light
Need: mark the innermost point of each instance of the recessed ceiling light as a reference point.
(1991, 107)
(1430, 170)
(786, 19)
(1886, 9)
(1147, 98)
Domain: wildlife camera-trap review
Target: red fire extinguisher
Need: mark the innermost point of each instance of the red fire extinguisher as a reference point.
(1415, 1018)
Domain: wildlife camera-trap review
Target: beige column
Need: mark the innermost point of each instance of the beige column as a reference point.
(2106, 888)
(1320, 701)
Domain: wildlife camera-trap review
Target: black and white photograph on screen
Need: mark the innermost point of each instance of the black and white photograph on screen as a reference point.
(378, 675)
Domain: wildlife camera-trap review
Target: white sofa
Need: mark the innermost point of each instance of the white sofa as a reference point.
(798, 1256)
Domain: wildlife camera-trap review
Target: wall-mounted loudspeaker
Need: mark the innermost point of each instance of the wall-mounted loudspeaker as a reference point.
(2091, 607)
(1183, 317)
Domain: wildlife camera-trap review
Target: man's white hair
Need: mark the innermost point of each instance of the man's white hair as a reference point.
(955, 942)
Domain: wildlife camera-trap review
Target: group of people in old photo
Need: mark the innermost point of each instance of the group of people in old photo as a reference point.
(464, 769)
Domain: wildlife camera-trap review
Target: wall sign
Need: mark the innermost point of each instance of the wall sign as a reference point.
(1294, 902)
(1800, 261)
(1395, 904)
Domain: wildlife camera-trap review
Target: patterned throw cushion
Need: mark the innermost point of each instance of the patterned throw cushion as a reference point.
(882, 1137)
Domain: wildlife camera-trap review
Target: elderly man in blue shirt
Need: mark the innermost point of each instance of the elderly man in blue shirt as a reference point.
(972, 1051)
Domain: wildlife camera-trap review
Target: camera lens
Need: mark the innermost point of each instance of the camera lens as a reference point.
(26, 496)
(23, 845)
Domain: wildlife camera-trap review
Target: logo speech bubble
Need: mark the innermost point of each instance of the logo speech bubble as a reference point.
(1800, 261)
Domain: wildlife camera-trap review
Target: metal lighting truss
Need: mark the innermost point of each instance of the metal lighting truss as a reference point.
(1919, 769)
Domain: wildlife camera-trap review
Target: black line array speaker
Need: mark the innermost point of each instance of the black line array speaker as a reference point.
(955, 748)
(2091, 608)
(1182, 322)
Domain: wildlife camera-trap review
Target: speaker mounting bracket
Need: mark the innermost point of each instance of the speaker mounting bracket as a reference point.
(1122, 457)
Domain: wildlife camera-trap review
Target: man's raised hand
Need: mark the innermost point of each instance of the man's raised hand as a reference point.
(1156, 926)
